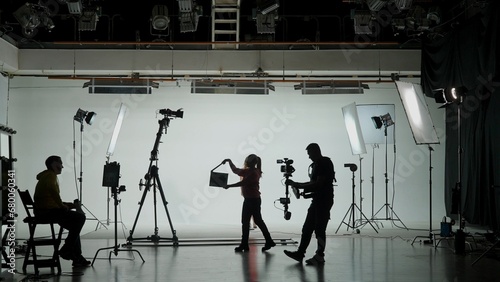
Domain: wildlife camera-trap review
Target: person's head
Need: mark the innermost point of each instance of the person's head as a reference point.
(54, 163)
(313, 151)
(253, 161)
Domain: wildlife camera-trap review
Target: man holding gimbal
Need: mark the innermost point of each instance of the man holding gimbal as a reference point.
(320, 186)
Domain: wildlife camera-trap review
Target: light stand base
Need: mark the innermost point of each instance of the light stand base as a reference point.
(351, 218)
(115, 251)
(430, 239)
(388, 207)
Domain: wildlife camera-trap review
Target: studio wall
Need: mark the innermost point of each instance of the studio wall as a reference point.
(215, 127)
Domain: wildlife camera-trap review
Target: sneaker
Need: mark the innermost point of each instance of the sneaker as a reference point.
(241, 249)
(294, 255)
(268, 246)
(80, 261)
(316, 260)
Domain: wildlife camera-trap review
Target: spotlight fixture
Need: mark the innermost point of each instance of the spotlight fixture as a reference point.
(384, 120)
(450, 95)
(376, 5)
(82, 115)
(362, 22)
(267, 6)
(31, 16)
(75, 7)
(88, 20)
(266, 23)
(159, 17)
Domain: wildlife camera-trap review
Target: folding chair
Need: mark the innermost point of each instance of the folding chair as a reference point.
(33, 242)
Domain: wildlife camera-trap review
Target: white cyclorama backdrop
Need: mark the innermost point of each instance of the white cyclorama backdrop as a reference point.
(214, 127)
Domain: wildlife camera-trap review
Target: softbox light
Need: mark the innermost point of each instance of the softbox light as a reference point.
(353, 127)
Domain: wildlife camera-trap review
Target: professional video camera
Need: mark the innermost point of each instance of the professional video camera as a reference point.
(169, 113)
(287, 169)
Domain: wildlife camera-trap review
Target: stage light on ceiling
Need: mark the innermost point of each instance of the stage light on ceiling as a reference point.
(362, 22)
(159, 17)
(189, 21)
(31, 17)
(267, 6)
(88, 20)
(266, 24)
(75, 7)
(376, 5)
(82, 115)
(185, 5)
(446, 96)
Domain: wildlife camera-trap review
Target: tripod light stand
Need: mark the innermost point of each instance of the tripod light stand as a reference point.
(423, 131)
(386, 121)
(80, 117)
(455, 95)
(351, 210)
(111, 179)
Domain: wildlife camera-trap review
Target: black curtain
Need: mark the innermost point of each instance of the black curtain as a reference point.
(467, 54)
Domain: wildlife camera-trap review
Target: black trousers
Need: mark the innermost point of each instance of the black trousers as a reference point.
(70, 220)
(251, 208)
(316, 221)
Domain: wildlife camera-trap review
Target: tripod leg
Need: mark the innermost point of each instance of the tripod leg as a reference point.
(174, 236)
(146, 188)
(343, 220)
(362, 215)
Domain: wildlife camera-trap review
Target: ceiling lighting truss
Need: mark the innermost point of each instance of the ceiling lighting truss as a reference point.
(376, 5)
(331, 87)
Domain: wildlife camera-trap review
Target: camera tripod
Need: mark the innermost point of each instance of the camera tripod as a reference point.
(116, 248)
(153, 182)
(351, 211)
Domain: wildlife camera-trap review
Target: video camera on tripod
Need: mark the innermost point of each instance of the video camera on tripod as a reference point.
(287, 169)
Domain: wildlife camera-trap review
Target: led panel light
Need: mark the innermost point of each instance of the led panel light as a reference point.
(353, 127)
(331, 87)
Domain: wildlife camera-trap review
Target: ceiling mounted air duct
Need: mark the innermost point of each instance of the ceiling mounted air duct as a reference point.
(332, 87)
(231, 87)
(120, 86)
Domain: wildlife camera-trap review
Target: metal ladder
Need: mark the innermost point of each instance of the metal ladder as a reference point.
(225, 24)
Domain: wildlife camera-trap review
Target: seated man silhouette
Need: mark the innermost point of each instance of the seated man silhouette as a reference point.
(48, 205)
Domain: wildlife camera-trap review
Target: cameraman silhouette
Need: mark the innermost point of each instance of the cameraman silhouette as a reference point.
(320, 187)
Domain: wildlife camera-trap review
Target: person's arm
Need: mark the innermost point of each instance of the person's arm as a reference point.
(309, 186)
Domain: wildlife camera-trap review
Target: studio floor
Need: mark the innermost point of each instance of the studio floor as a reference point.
(205, 254)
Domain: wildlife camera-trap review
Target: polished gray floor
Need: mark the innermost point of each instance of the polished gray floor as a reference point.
(205, 254)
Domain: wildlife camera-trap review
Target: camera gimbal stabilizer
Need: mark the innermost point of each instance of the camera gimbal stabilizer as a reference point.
(287, 169)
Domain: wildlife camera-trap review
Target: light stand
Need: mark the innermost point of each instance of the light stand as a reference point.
(431, 235)
(351, 210)
(386, 121)
(153, 182)
(80, 117)
(450, 96)
(111, 175)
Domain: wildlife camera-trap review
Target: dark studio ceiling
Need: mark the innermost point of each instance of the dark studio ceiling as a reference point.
(322, 23)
